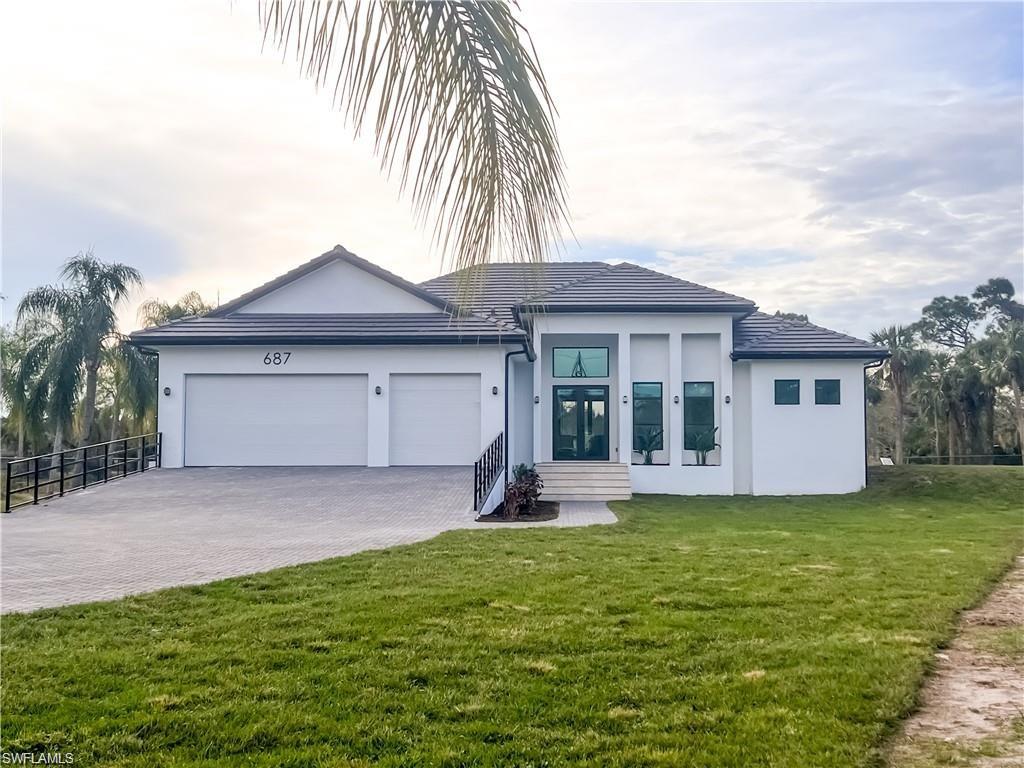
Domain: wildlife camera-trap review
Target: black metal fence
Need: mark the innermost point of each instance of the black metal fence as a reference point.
(486, 470)
(38, 478)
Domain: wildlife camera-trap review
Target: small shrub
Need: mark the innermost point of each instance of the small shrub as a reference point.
(522, 493)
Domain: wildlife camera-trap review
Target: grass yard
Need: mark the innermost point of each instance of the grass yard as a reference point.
(697, 632)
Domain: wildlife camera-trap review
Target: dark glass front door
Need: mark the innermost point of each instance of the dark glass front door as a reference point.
(581, 424)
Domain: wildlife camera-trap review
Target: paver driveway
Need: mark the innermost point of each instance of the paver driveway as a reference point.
(189, 526)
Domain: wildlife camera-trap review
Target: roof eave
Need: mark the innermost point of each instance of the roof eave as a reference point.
(354, 341)
(744, 309)
(835, 355)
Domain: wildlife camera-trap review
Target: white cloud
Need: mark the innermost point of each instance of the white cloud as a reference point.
(846, 161)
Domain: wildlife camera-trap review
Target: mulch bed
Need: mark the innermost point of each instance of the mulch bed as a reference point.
(545, 510)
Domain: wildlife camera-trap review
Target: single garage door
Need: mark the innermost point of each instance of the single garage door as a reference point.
(275, 420)
(434, 419)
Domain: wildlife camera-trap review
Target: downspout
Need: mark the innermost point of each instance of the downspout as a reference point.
(875, 364)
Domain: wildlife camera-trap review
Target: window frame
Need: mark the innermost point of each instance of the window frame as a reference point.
(661, 410)
(607, 363)
(839, 392)
(787, 381)
(687, 443)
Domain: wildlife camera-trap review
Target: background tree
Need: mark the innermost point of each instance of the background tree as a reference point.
(458, 105)
(996, 297)
(156, 312)
(905, 361)
(949, 322)
(80, 319)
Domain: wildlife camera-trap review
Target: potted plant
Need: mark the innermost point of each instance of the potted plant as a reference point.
(522, 493)
(647, 442)
(704, 443)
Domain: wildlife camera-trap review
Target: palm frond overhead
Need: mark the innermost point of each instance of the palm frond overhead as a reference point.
(459, 108)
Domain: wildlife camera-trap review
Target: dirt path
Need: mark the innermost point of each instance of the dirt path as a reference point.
(972, 710)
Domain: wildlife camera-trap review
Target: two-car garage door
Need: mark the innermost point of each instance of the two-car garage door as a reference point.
(298, 419)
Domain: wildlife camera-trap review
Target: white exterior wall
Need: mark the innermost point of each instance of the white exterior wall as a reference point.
(520, 416)
(378, 363)
(807, 448)
(338, 288)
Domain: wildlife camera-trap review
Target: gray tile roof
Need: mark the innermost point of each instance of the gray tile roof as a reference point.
(253, 328)
(631, 288)
(765, 336)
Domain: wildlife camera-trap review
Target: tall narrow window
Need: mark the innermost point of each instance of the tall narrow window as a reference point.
(787, 391)
(698, 413)
(648, 422)
(580, 363)
(826, 391)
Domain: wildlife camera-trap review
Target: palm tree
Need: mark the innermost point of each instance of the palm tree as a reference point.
(24, 414)
(905, 361)
(930, 394)
(458, 106)
(156, 312)
(80, 319)
(1005, 367)
(128, 383)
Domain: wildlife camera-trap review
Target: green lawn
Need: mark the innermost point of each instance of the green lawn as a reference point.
(697, 632)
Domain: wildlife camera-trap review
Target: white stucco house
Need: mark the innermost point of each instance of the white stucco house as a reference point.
(572, 366)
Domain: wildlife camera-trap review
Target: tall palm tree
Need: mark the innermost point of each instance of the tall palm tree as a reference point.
(929, 391)
(81, 320)
(156, 312)
(905, 361)
(18, 379)
(458, 106)
(1005, 367)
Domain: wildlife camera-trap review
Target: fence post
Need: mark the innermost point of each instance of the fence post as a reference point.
(35, 482)
(62, 473)
(106, 460)
(159, 449)
(7, 489)
(142, 454)
(124, 458)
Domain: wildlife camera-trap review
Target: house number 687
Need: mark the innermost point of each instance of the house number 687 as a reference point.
(276, 358)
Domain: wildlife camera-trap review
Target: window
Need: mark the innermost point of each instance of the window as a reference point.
(787, 391)
(580, 363)
(826, 391)
(698, 412)
(648, 423)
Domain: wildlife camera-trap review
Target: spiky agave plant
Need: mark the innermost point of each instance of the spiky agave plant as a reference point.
(458, 106)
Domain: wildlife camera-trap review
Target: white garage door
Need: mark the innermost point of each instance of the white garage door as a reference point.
(435, 419)
(274, 420)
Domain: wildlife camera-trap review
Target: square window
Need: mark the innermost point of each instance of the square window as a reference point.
(826, 391)
(787, 391)
(580, 363)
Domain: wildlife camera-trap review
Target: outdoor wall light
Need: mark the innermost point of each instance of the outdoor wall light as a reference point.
(625, 399)
(494, 390)
(536, 399)
(728, 399)
(676, 399)
(377, 390)
(167, 391)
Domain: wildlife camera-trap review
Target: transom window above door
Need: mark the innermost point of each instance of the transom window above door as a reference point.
(580, 363)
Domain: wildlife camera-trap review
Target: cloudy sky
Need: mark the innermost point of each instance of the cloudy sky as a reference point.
(847, 161)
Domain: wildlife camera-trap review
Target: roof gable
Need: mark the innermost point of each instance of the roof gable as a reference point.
(336, 282)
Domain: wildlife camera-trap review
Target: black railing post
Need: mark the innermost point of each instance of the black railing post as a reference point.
(142, 454)
(62, 473)
(35, 482)
(106, 460)
(7, 489)
(124, 458)
(159, 449)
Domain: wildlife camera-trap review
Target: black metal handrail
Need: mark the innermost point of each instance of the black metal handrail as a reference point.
(486, 469)
(54, 474)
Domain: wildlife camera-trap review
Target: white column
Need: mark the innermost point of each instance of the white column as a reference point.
(625, 408)
(539, 433)
(727, 432)
(675, 389)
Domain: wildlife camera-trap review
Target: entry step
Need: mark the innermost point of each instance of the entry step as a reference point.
(585, 481)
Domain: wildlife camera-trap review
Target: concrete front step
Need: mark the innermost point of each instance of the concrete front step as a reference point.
(585, 481)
